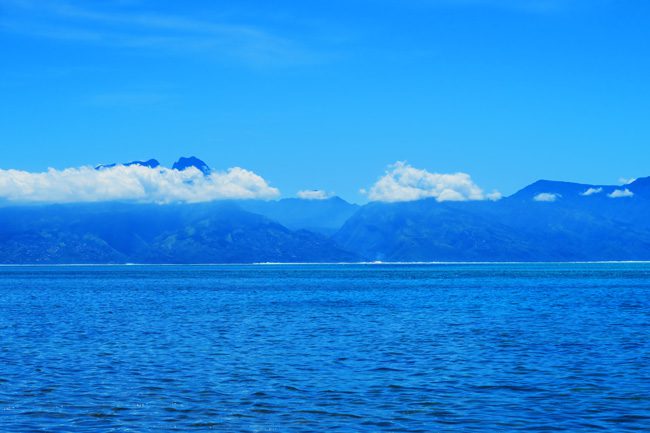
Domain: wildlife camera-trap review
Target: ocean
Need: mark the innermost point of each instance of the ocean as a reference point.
(314, 348)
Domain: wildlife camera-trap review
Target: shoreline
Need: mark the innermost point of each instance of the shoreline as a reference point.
(375, 263)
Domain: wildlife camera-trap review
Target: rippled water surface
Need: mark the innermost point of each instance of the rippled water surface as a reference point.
(489, 348)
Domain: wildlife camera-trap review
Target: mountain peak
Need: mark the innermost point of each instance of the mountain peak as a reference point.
(642, 181)
(548, 186)
(191, 161)
(151, 163)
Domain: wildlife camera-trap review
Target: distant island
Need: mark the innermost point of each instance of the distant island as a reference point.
(545, 221)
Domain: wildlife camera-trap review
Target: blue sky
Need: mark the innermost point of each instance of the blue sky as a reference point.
(326, 95)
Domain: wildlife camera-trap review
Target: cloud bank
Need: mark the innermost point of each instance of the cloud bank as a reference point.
(314, 194)
(132, 183)
(402, 182)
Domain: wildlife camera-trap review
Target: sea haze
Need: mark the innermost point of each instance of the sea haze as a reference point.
(485, 348)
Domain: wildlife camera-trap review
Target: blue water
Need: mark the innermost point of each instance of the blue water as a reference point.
(485, 348)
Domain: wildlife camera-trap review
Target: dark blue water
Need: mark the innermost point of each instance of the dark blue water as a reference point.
(486, 348)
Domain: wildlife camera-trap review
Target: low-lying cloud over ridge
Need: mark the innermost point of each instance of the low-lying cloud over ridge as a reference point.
(314, 194)
(547, 197)
(402, 182)
(592, 191)
(620, 193)
(132, 183)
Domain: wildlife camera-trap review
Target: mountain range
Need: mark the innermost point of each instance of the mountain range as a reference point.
(545, 221)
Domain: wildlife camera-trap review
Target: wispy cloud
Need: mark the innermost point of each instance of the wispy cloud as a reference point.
(136, 28)
(531, 6)
(626, 180)
(132, 183)
(127, 99)
(402, 182)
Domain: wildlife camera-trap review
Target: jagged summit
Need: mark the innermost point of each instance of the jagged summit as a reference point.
(192, 161)
(151, 163)
(180, 165)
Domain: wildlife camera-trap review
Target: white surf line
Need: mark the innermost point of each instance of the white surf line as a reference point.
(375, 263)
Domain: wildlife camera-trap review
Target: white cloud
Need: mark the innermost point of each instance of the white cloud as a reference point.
(133, 183)
(547, 197)
(626, 180)
(314, 194)
(620, 193)
(403, 182)
(494, 196)
(592, 191)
